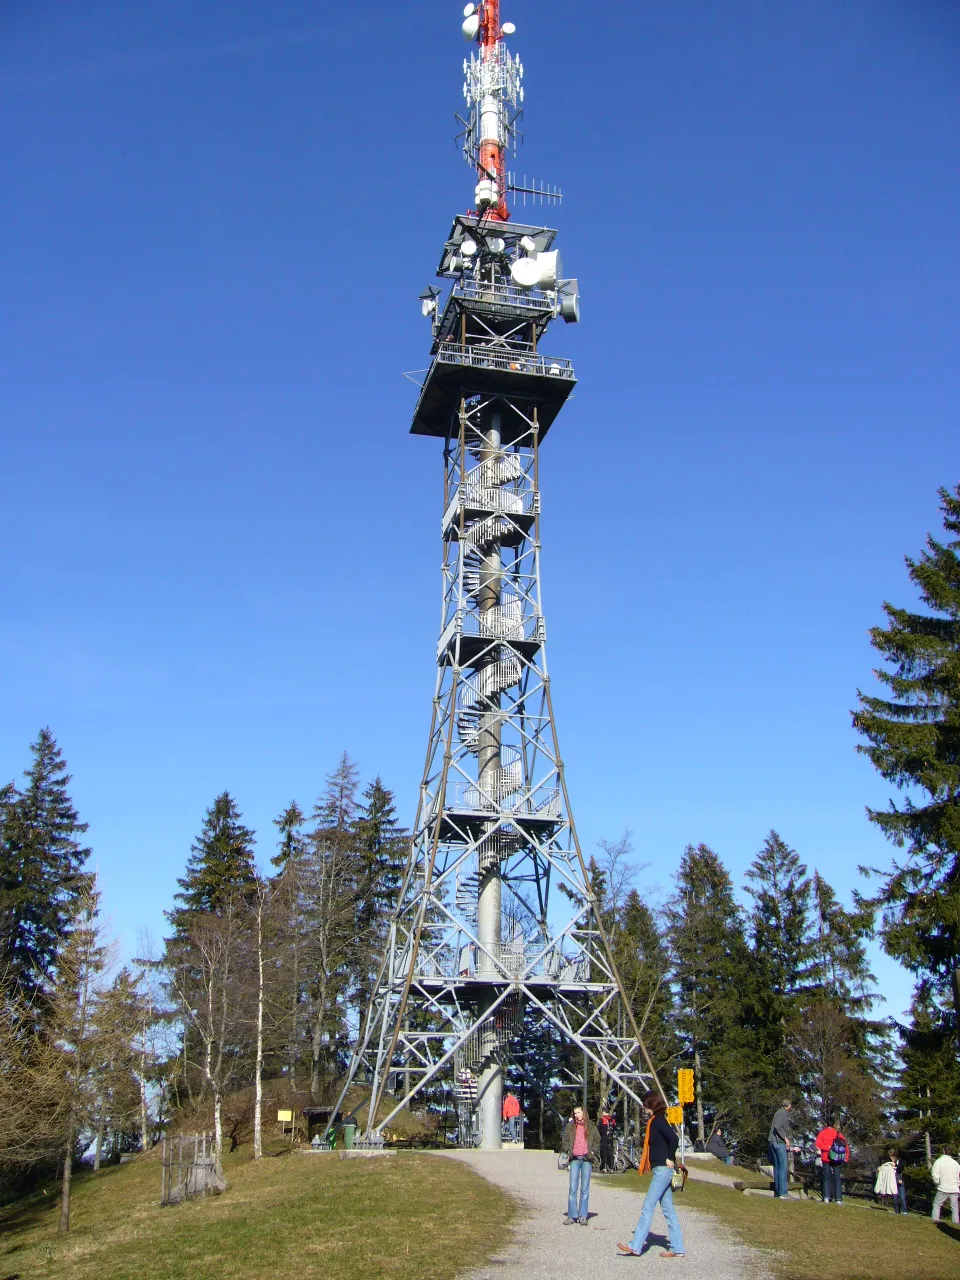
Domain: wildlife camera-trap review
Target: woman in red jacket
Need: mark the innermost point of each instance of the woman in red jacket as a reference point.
(834, 1154)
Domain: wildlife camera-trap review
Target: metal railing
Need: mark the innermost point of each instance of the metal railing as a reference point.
(504, 360)
(505, 295)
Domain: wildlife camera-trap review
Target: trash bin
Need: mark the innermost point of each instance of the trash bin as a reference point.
(349, 1131)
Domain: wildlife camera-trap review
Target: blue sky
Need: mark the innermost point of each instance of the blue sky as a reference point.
(222, 552)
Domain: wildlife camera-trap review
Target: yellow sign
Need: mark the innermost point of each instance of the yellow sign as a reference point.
(674, 1115)
(284, 1117)
(685, 1085)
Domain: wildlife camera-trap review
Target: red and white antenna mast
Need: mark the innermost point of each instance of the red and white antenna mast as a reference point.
(493, 90)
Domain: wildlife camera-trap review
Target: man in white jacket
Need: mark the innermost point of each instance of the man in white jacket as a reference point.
(945, 1173)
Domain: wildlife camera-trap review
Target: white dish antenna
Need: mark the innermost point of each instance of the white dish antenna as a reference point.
(468, 248)
(470, 27)
(469, 10)
(509, 29)
(525, 272)
(528, 244)
(550, 269)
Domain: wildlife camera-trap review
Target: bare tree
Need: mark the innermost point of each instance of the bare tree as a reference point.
(72, 999)
(205, 985)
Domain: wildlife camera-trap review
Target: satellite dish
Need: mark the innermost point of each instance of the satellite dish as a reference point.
(468, 248)
(528, 244)
(570, 301)
(496, 244)
(549, 268)
(508, 29)
(525, 272)
(470, 27)
(469, 10)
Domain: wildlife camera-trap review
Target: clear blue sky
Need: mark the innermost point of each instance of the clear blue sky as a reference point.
(222, 552)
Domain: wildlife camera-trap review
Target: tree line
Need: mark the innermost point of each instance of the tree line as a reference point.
(265, 973)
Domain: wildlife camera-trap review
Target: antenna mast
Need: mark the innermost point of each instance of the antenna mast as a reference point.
(491, 87)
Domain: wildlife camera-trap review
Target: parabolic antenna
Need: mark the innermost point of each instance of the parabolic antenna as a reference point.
(525, 272)
(470, 27)
(549, 268)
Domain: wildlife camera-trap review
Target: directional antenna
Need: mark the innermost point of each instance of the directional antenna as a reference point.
(538, 193)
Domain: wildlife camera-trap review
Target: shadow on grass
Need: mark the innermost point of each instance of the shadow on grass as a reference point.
(951, 1231)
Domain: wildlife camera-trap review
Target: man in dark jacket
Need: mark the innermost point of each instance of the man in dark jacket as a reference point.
(779, 1141)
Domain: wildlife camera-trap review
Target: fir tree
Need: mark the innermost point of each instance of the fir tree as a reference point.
(927, 1097)
(913, 740)
(289, 894)
(780, 919)
(42, 879)
(711, 964)
(332, 884)
(643, 962)
(220, 868)
(381, 847)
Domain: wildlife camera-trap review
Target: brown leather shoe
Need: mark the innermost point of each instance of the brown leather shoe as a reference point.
(668, 1253)
(625, 1248)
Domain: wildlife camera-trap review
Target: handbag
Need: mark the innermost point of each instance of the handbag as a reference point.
(563, 1160)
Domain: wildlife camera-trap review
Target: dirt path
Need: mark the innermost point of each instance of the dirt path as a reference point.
(542, 1248)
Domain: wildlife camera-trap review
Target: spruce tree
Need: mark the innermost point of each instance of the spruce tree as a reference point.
(780, 919)
(912, 738)
(220, 868)
(381, 847)
(333, 880)
(711, 966)
(643, 962)
(42, 877)
(927, 1097)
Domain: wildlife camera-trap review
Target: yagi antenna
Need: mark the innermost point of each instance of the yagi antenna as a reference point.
(539, 193)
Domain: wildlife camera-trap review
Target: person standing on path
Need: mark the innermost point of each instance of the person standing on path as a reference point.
(581, 1143)
(607, 1126)
(659, 1155)
(834, 1154)
(778, 1144)
(511, 1113)
(945, 1173)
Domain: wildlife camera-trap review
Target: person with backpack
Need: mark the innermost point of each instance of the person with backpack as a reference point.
(834, 1151)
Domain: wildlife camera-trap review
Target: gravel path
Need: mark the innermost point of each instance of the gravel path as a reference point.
(542, 1248)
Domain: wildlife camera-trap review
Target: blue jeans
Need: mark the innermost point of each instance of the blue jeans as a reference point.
(777, 1152)
(900, 1204)
(513, 1128)
(659, 1193)
(579, 1176)
(833, 1182)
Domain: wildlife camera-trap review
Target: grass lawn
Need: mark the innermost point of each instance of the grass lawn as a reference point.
(813, 1241)
(400, 1216)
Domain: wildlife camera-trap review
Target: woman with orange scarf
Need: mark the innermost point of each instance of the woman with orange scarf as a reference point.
(659, 1156)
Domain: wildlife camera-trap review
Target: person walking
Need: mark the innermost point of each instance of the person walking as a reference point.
(659, 1156)
(834, 1154)
(607, 1125)
(945, 1173)
(581, 1144)
(778, 1145)
(511, 1113)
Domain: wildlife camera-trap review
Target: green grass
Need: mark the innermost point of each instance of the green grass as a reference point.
(401, 1217)
(808, 1240)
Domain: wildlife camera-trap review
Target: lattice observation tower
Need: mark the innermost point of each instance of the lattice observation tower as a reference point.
(497, 924)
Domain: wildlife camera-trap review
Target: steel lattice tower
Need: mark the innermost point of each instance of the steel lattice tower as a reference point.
(496, 918)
